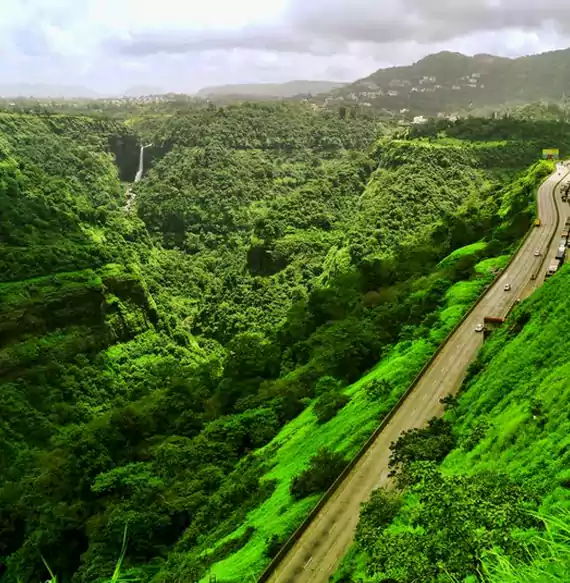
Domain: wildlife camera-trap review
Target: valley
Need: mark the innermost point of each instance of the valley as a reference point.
(191, 376)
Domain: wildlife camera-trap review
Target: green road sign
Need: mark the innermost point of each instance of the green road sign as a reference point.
(551, 154)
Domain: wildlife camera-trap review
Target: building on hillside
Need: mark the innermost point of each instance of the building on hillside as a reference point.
(419, 119)
(399, 83)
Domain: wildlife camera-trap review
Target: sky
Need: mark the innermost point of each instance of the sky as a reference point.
(109, 46)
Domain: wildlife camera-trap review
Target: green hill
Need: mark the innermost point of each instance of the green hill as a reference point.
(481, 488)
(451, 82)
(172, 371)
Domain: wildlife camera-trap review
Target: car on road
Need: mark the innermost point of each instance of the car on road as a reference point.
(507, 287)
(479, 328)
(537, 253)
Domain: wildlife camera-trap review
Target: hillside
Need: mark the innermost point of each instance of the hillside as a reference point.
(493, 475)
(271, 90)
(174, 371)
(450, 82)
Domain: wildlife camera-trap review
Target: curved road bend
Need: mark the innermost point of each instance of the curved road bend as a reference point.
(317, 553)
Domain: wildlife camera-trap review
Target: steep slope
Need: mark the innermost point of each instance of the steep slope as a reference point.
(80, 333)
(342, 418)
(506, 436)
(448, 82)
(149, 359)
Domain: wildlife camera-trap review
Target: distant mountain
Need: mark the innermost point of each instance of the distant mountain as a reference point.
(447, 82)
(46, 91)
(142, 90)
(268, 90)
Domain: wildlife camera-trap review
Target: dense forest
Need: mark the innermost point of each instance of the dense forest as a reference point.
(193, 372)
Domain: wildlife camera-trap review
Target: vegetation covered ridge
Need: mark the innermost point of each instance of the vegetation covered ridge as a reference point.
(483, 493)
(176, 369)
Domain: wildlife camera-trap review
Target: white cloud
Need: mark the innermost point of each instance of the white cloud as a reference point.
(110, 44)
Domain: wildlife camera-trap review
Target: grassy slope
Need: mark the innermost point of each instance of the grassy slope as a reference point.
(519, 367)
(526, 371)
(291, 450)
(521, 392)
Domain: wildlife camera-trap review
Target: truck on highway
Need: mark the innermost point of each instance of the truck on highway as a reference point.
(537, 223)
(552, 269)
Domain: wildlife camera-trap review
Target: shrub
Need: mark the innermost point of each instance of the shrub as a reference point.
(378, 389)
(329, 405)
(375, 514)
(324, 468)
(274, 544)
(430, 444)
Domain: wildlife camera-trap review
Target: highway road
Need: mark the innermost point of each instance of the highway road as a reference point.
(318, 552)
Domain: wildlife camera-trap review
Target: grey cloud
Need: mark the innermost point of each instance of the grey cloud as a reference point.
(423, 21)
(327, 27)
(30, 42)
(272, 38)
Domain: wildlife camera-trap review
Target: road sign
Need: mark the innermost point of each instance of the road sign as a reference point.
(551, 154)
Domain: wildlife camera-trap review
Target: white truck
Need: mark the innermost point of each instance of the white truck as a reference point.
(552, 269)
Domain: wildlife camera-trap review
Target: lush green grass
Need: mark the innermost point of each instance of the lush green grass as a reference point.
(549, 555)
(512, 418)
(492, 265)
(452, 258)
(290, 452)
(521, 367)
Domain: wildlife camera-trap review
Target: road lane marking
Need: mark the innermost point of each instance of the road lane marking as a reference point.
(308, 562)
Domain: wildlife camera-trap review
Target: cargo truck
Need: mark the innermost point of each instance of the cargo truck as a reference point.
(552, 269)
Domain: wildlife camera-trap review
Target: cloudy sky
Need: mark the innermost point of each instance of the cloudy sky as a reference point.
(183, 45)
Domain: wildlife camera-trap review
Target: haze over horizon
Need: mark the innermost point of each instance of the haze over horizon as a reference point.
(108, 46)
